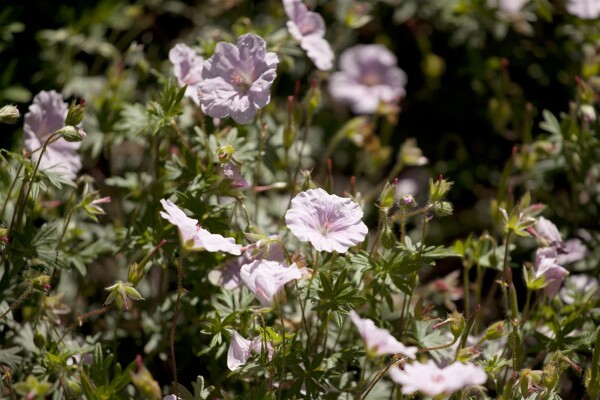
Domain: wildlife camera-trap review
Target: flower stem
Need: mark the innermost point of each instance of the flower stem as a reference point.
(12, 186)
(17, 302)
(282, 377)
(175, 316)
(380, 375)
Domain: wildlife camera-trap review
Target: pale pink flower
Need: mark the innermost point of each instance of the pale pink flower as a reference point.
(329, 222)
(240, 350)
(584, 9)
(308, 28)
(379, 341)
(572, 250)
(267, 278)
(187, 68)
(46, 115)
(432, 381)
(369, 75)
(546, 265)
(172, 397)
(236, 80)
(548, 231)
(228, 275)
(195, 238)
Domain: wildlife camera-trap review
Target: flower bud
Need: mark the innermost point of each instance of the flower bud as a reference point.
(388, 239)
(388, 195)
(39, 340)
(41, 282)
(438, 189)
(224, 153)
(144, 382)
(75, 113)
(457, 324)
(120, 293)
(9, 114)
(407, 201)
(313, 98)
(72, 134)
(307, 183)
(494, 331)
(443, 208)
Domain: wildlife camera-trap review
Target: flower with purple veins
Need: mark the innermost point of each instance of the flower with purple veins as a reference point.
(584, 9)
(369, 75)
(187, 68)
(329, 222)
(379, 341)
(236, 80)
(266, 279)
(195, 238)
(46, 115)
(433, 381)
(308, 28)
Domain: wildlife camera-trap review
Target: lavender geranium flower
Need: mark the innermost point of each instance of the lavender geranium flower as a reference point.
(546, 265)
(47, 115)
(187, 67)
(548, 231)
(267, 278)
(240, 350)
(236, 80)
(572, 250)
(379, 341)
(369, 75)
(308, 28)
(584, 9)
(195, 238)
(228, 275)
(329, 222)
(432, 381)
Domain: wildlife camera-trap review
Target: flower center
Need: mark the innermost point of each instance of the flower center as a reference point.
(437, 378)
(243, 82)
(324, 228)
(371, 79)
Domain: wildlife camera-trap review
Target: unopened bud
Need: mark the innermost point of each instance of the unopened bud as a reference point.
(75, 113)
(388, 239)
(307, 183)
(495, 331)
(407, 201)
(224, 153)
(439, 189)
(443, 208)
(9, 114)
(388, 195)
(313, 98)
(72, 134)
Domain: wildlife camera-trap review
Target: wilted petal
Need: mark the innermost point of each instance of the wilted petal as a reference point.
(379, 341)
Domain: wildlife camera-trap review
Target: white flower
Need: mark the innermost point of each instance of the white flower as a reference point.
(379, 341)
(431, 380)
(267, 278)
(547, 230)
